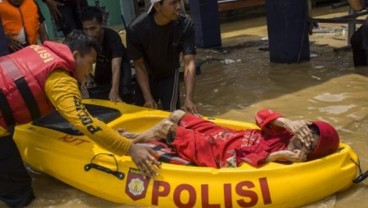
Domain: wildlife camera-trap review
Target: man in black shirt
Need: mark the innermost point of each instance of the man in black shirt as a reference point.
(112, 72)
(155, 42)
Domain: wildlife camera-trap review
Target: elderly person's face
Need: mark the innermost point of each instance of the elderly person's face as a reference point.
(16, 2)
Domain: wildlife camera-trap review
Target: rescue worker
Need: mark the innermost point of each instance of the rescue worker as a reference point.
(20, 20)
(39, 79)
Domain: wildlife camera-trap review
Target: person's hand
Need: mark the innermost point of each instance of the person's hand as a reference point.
(144, 158)
(189, 106)
(114, 96)
(14, 45)
(302, 132)
(299, 129)
(150, 104)
(53, 7)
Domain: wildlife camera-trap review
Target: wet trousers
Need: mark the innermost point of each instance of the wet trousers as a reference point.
(15, 183)
(166, 90)
(359, 45)
(125, 86)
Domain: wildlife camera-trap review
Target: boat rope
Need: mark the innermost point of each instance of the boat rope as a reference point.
(362, 176)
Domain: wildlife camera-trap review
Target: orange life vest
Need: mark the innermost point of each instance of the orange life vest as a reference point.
(23, 76)
(14, 18)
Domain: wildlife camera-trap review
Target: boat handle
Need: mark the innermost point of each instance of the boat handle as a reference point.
(115, 173)
(362, 176)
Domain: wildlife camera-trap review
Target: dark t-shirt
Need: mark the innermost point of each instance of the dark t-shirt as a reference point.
(112, 47)
(160, 46)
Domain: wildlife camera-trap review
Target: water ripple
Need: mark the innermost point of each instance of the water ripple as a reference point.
(328, 97)
(337, 109)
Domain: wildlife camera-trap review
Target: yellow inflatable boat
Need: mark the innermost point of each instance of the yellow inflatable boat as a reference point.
(52, 146)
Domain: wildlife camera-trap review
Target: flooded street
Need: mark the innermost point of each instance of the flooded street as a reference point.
(239, 80)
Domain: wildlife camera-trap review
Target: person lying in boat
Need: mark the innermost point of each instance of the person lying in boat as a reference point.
(207, 144)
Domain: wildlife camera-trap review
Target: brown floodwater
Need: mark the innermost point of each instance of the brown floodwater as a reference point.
(237, 81)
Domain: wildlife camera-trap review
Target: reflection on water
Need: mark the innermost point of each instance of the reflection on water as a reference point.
(330, 97)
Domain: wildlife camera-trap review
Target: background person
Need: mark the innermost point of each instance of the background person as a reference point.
(112, 74)
(49, 83)
(21, 23)
(359, 39)
(155, 41)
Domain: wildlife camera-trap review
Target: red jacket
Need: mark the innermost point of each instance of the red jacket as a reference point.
(22, 79)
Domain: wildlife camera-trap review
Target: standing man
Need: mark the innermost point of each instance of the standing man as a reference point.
(112, 72)
(37, 80)
(359, 39)
(155, 42)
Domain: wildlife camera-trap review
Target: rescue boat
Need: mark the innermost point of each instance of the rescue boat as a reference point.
(53, 146)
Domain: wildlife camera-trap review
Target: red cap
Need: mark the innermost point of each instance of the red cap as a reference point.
(265, 116)
(328, 141)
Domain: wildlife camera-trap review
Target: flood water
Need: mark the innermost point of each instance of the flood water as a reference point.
(235, 82)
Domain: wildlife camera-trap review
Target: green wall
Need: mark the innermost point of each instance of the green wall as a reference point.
(112, 7)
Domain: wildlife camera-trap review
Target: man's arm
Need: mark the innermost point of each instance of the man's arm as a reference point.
(143, 80)
(287, 155)
(298, 128)
(189, 81)
(62, 90)
(268, 119)
(115, 82)
(189, 52)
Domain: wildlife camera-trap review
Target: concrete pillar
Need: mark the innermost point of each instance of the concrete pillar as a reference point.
(205, 16)
(288, 30)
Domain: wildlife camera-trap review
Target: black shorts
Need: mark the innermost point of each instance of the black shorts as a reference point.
(15, 183)
(165, 90)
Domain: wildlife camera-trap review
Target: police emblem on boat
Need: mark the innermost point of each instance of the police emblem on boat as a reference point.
(136, 186)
